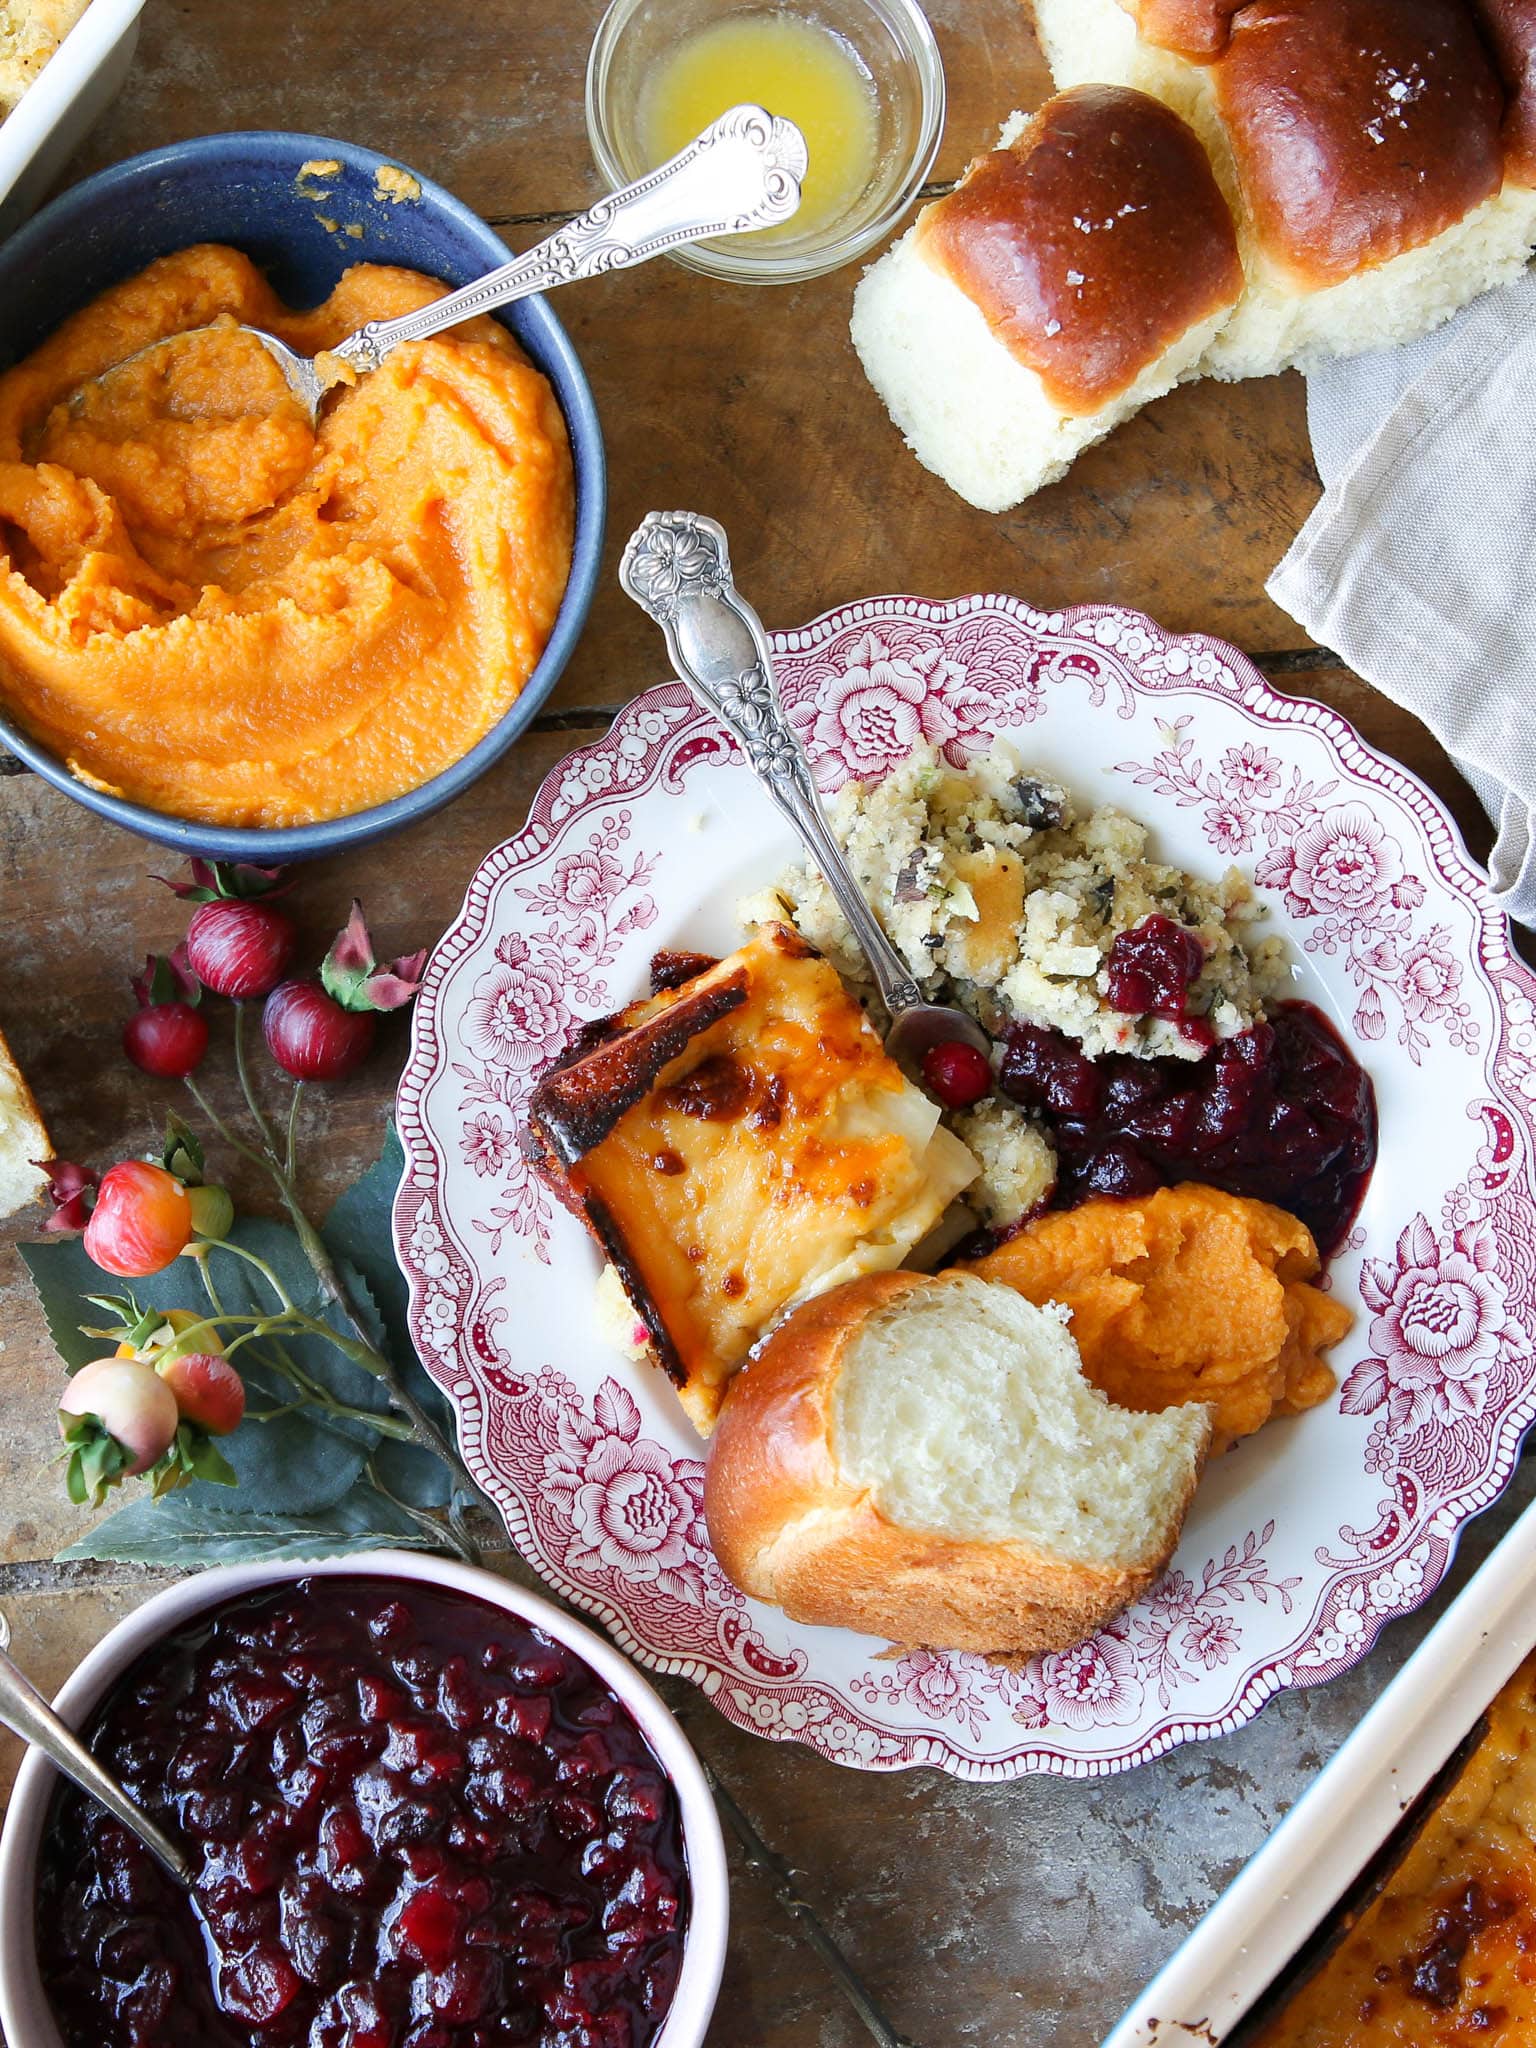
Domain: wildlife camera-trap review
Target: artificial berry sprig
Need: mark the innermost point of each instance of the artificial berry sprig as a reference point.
(145, 1214)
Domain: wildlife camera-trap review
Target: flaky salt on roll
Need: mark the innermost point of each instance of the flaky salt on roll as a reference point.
(1071, 276)
(919, 1457)
(1358, 141)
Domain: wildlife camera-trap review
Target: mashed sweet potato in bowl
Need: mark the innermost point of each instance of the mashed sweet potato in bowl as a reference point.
(247, 634)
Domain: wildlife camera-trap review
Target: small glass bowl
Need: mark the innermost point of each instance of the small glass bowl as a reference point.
(896, 46)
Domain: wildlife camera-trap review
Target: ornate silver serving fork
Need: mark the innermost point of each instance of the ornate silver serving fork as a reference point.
(677, 568)
(744, 171)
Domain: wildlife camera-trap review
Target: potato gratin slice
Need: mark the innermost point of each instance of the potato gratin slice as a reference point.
(738, 1144)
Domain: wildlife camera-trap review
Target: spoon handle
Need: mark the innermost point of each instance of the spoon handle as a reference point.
(677, 568)
(744, 171)
(27, 1714)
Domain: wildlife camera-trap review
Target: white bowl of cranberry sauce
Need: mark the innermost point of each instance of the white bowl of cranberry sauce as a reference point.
(427, 1809)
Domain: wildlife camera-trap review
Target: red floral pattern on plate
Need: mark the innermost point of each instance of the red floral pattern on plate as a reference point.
(1340, 870)
(1295, 1555)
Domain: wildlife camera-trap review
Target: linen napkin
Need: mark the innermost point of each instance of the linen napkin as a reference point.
(1418, 566)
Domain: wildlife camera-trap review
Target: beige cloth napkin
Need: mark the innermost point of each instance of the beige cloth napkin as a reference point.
(1418, 566)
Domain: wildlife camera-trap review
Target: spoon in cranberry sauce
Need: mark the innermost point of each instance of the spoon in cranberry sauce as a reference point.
(27, 1714)
(677, 568)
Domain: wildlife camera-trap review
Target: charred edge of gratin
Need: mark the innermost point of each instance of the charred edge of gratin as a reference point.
(575, 1107)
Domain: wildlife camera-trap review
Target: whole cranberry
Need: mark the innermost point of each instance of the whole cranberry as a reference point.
(167, 1040)
(1117, 1168)
(957, 1073)
(311, 1036)
(237, 947)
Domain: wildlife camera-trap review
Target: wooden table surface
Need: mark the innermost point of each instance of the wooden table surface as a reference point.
(989, 1915)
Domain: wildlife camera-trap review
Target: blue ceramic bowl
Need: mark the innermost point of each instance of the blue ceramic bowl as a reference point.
(244, 190)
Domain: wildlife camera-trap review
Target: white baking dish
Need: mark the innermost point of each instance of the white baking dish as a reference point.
(74, 87)
(1328, 1837)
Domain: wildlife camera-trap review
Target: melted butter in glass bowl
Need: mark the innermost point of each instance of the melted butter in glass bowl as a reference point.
(862, 79)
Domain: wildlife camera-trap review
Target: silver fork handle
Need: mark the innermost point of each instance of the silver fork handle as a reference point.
(743, 172)
(27, 1714)
(677, 568)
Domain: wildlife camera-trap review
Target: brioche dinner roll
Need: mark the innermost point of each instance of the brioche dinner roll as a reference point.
(1510, 28)
(920, 1457)
(1359, 145)
(1072, 275)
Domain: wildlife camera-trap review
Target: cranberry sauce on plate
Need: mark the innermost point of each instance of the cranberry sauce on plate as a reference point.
(417, 1822)
(1283, 1113)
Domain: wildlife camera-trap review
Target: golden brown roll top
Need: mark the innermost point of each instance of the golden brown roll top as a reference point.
(1510, 26)
(1359, 128)
(1197, 29)
(1223, 188)
(1092, 243)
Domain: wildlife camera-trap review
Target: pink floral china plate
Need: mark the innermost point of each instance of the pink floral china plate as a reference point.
(1305, 1539)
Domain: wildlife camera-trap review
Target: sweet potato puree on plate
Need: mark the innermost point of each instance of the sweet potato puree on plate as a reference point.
(216, 610)
(1186, 1295)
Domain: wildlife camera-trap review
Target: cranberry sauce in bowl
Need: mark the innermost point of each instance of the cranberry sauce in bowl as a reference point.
(418, 1822)
(1283, 1113)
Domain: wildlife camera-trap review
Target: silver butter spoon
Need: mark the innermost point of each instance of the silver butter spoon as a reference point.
(27, 1714)
(677, 568)
(743, 172)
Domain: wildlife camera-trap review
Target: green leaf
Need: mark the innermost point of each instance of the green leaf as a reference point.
(301, 1468)
(193, 1455)
(66, 1281)
(414, 1474)
(182, 1153)
(207, 1461)
(95, 1460)
(360, 1232)
(184, 1531)
(307, 1460)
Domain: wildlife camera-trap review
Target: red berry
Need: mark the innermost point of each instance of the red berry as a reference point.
(957, 1073)
(311, 1036)
(141, 1222)
(130, 1404)
(239, 948)
(208, 1390)
(168, 1040)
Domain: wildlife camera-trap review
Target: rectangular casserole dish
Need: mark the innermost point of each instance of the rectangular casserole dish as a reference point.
(72, 90)
(1227, 1966)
